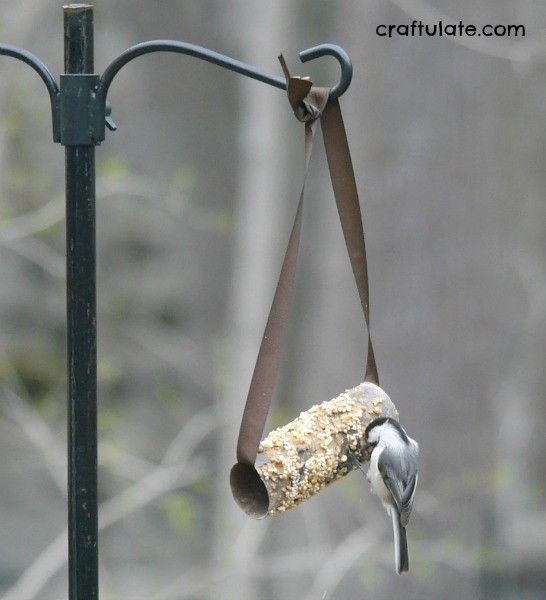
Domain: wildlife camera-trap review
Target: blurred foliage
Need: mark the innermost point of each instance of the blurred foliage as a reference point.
(181, 514)
(114, 168)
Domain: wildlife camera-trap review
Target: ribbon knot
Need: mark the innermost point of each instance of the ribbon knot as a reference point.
(306, 101)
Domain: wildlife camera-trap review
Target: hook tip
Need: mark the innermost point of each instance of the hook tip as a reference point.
(341, 56)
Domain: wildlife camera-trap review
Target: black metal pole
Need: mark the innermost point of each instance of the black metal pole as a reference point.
(81, 317)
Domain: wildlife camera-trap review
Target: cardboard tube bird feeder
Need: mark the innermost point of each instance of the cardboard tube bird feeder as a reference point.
(324, 443)
(298, 460)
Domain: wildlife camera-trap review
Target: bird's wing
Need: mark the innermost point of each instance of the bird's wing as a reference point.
(407, 499)
(403, 493)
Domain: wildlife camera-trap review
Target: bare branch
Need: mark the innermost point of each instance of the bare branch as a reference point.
(197, 580)
(40, 254)
(159, 482)
(123, 463)
(39, 434)
(195, 429)
(340, 562)
(32, 222)
(42, 570)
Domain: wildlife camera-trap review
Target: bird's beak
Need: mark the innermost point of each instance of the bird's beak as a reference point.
(368, 447)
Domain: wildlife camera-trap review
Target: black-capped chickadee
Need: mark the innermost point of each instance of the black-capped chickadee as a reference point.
(393, 477)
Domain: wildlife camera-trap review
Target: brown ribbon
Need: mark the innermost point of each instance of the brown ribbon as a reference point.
(310, 104)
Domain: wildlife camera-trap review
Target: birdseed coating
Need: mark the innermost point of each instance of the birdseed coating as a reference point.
(298, 460)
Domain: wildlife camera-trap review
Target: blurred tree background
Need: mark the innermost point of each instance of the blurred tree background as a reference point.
(196, 192)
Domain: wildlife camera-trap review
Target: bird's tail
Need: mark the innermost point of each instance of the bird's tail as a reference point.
(401, 558)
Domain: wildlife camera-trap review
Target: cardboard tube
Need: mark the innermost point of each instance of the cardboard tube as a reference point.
(298, 460)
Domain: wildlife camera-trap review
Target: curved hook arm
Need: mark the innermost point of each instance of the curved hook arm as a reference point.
(190, 50)
(227, 63)
(35, 63)
(343, 59)
(43, 72)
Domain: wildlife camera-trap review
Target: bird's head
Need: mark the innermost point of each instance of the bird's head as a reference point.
(384, 429)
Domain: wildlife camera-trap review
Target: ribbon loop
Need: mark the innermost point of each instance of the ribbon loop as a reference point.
(310, 104)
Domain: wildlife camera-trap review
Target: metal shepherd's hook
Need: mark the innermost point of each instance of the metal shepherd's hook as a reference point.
(80, 114)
